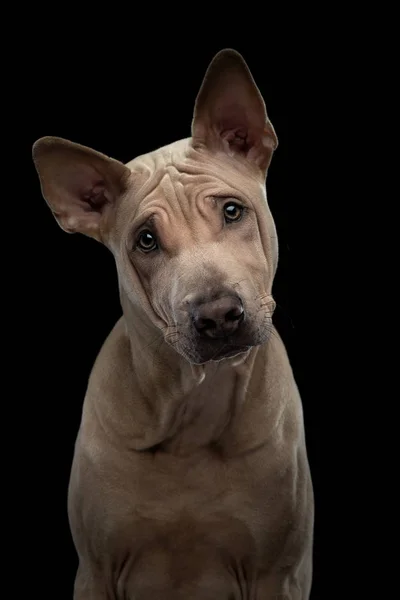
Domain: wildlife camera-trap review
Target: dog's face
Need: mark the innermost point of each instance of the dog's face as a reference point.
(193, 245)
(189, 225)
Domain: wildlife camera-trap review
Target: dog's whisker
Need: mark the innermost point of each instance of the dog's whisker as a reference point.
(157, 339)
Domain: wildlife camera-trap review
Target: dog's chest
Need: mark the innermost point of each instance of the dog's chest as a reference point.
(242, 505)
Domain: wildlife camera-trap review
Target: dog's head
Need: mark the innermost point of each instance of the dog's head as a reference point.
(189, 225)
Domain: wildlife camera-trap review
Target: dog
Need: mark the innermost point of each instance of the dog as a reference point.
(190, 477)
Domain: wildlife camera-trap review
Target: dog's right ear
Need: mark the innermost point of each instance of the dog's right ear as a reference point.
(79, 184)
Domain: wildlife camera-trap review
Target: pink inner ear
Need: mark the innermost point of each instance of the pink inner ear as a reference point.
(237, 139)
(235, 126)
(95, 197)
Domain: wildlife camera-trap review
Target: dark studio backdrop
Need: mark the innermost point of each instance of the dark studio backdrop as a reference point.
(125, 107)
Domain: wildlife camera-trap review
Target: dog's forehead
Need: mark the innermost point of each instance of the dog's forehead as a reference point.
(156, 159)
(177, 174)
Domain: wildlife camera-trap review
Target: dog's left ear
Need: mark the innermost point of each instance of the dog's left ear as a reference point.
(230, 112)
(79, 184)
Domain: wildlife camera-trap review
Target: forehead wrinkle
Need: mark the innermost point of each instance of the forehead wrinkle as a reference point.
(174, 206)
(176, 193)
(144, 184)
(190, 199)
(216, 185)
(168, 184)
(225, 176)
(161, 206)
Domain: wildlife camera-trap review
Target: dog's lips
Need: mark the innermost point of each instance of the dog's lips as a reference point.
(230, 352)
(212, 353)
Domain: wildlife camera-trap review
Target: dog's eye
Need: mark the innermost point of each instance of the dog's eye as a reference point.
(147, 242)
(233, 212)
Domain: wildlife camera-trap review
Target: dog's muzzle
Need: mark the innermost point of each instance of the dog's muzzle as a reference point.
(218, 326)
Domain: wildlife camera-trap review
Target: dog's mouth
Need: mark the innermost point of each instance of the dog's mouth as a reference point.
(215, 351)
(229, 352)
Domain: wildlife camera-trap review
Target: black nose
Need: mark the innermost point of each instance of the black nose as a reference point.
(219, 318)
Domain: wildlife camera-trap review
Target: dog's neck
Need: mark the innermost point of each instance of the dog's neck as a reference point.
(182, 406)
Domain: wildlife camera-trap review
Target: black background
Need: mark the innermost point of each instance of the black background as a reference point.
(124, 105)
